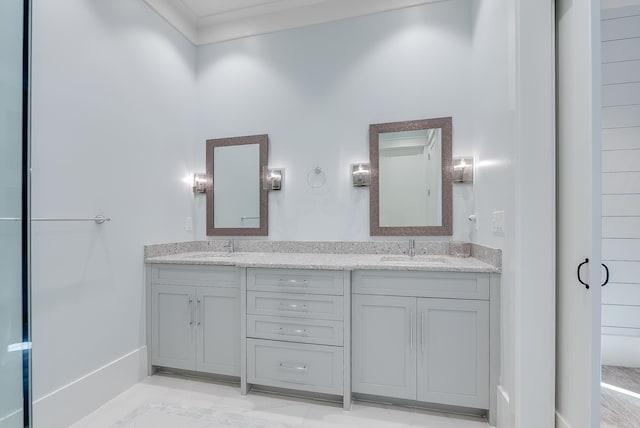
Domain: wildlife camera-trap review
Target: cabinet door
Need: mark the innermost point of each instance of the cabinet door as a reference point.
(218, 327)
(453, 352)
(172, 329)
(383, 340)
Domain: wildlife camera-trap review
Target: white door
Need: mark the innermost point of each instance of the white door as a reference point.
(578, 214)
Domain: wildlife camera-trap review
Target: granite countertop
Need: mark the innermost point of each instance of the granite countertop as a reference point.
(421, 262)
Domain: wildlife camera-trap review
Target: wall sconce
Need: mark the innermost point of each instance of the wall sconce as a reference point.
(463, 169)
(361, 174)
(199, 183)
(272, 178)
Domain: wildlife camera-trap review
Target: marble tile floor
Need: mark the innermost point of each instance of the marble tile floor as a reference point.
(620, 406)
(163, 401)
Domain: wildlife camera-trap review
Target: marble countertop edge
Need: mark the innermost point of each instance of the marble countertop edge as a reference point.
(323, 262)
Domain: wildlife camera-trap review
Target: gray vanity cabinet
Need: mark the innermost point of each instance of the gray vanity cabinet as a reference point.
(195, 318)
(453, 352)
(384, 358)
(218, 330)
(297, 330)
(173, 339)
(414, 347)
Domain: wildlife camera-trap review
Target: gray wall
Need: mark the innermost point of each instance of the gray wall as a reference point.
(315, 90)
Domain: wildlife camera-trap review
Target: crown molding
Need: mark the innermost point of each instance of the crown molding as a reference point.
(268, 18)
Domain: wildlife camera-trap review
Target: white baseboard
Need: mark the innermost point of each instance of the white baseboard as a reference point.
(620, 350)
(72, 402)
(506, 416)
(561, 422)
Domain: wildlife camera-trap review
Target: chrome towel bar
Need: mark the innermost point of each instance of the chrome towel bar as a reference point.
(99, 219)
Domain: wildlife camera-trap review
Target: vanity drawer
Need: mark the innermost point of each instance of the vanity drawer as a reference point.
(295, 305)
(219, 276)
(296, 281)
(452, 285)
(322, 332)
(314, 368)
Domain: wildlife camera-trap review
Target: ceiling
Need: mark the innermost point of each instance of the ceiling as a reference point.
(211, 21)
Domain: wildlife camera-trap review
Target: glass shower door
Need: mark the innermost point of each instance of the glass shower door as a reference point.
(14, 213)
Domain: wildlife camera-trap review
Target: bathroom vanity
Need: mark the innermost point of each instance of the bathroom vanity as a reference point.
(419, 331)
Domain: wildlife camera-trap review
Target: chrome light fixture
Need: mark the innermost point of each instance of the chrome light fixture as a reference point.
(463, 169)
(361, 174)
(272, 178)
(199, 183)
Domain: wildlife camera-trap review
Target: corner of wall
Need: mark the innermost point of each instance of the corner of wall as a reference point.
(506, 414)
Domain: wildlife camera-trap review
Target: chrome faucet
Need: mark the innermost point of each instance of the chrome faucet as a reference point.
(231, 246)
(412, 248)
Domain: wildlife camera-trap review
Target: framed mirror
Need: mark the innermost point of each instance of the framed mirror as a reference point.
(237, 205)
(411, 178)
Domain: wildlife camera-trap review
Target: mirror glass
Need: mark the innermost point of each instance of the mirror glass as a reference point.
(411, 177)
(236, 202)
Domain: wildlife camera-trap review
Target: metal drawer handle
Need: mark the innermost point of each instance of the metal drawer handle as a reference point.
(411, 325)
(198, 312)
(190, 312)
(294, 331)
(292, 282)
(293, 306)
(288, 366)
(422, 331)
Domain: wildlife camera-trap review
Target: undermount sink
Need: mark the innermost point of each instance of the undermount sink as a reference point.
(414, 259)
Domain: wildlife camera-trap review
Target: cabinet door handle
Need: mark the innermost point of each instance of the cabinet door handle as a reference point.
(198, 312)
(288, 366)
(190, 312)
(293, 331)
(422, 331)
(292, 282)
(293, 307)
(411, 323)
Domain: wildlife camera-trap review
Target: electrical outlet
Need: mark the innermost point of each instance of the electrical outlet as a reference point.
(497, 222)
(188, 224)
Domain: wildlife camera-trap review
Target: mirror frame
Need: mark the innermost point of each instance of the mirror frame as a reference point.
(263, 229)
(445, 123)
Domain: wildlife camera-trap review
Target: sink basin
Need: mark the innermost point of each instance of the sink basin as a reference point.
(414, 259)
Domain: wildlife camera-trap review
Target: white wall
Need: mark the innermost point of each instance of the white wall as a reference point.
(513, 145)
(113, 90)
(315, 90)
(494, 151)
(620, 178)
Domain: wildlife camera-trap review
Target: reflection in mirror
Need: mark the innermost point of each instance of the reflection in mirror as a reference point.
(236, 202)
(411, 181)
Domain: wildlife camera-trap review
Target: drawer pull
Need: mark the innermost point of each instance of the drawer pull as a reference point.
(292, 282)
(293, 331)
(287, 366)
(293, 307)
(190, 312)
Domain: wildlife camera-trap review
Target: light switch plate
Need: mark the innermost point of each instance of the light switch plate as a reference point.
(497, 222)
(188, 224)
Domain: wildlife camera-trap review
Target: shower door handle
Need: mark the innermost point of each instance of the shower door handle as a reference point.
(606, 269)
